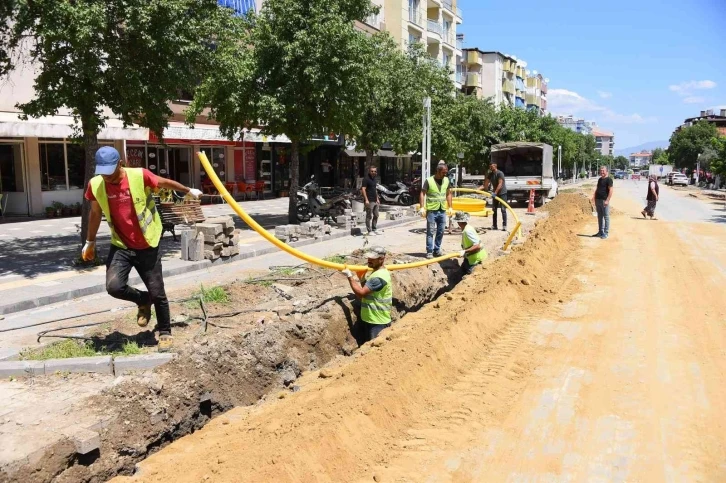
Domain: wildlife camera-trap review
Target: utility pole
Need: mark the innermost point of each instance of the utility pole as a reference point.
(426, 144)
(559, 161)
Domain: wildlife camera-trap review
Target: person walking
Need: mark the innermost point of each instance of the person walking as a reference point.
(369, 190)
(376, 294)
(435, 200)
(472, 250)
(497, 184)
(651, 198)
(124, 196)
(601, 198)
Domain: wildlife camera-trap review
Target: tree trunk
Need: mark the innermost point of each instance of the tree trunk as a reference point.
(90, 146)
(369, 160)
(294, 176)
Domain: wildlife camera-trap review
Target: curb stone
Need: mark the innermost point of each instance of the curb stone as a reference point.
(100, 364)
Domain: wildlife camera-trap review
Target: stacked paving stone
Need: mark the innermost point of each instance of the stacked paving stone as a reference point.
(315, 228)
(213, 239)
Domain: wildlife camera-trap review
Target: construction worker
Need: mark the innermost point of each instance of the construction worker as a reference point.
(435, 207)
(124, 196)
(496, 183)
(472, 251)
(376, 295)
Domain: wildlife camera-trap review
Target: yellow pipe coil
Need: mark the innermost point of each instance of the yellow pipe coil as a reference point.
(470, 205)
(518, 231)
(287, 248)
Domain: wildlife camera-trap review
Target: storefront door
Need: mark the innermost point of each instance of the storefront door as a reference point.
(216, 157)
(179, 164)
(14, 200)
(266, 168)
(156, 160)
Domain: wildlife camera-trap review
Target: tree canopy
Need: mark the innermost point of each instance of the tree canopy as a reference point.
(689, 142)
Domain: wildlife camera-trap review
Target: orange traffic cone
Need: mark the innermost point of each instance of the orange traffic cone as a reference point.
(530, 207)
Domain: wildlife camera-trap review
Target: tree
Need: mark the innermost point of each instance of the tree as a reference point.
(393, 106)
(621, 162)
(656, 154)
(472, 122)
(689, 142)
(718, 163)
(129, 56)
(301, 72)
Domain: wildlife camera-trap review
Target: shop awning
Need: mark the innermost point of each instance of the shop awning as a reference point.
(383, 153)
(178, 131)
(254, 136)
(60, 127)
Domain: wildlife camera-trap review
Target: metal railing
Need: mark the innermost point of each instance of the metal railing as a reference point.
(460, 44)
(434, 27)
(415, 17)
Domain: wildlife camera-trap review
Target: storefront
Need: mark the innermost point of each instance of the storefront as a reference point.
(391, 167)
(13, 187)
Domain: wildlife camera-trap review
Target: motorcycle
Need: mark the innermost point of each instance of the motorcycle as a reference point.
(316, 205)
(399, 196)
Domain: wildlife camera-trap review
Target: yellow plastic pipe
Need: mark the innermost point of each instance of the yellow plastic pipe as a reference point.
(518, 231)
(511, 236)
(287, 248)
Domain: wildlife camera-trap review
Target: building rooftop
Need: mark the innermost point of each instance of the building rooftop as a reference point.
(642, 153)
(601, 132)
(491, 52)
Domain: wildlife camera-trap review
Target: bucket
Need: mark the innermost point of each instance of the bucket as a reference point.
(358, 206)
(469, 205)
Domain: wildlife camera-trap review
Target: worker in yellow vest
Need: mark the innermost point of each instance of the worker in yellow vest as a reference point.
(472, 250)
(376, 295)
(124, 196)
(435, 201)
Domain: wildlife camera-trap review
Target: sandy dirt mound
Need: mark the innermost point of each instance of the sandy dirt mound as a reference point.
(352, 416)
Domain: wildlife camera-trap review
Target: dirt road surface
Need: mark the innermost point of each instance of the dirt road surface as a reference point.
(573, 359)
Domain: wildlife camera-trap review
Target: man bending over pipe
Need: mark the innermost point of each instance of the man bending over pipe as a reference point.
(376, 295)
(124, 195)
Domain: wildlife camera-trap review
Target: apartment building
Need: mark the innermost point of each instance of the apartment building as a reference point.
(578, 125)
(492, 75)
(719, 120)
(431, 22)
(640, 159)
(604, 141)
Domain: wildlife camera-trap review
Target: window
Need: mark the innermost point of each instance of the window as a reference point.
(76, 162)
(53, 167)
(216, 157)
(11, 170)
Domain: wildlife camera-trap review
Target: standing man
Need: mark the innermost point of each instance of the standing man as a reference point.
(601, 198)
(124, 196)
(437, 204)
(376, 295)
(372, 202)
(651, 197)
(472, 250)
(496, 183)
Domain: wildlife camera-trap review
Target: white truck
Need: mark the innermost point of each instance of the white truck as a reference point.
(659, 170)
(526, 166)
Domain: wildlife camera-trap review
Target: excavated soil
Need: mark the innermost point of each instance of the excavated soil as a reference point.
(297, 327)
(352, 416)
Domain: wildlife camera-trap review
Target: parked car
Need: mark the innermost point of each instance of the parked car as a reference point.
(619, 175)
(679, 178)
(669, 179)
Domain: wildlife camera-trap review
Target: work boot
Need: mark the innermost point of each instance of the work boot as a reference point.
(143, 316)
(166, 342)
(429, 256)
(438, 254)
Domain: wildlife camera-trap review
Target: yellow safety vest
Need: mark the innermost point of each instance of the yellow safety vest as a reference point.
(435, 197)
(467, 236)
(146, 214)
(375, 308)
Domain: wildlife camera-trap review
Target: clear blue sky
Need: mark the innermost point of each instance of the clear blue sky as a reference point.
(636, 67)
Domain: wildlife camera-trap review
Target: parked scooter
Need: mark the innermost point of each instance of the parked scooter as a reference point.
(316, 205)
(399, 196)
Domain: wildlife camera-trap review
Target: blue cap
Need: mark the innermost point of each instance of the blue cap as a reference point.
(107, 159)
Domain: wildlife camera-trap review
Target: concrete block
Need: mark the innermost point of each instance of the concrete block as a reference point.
(209, 229)
(348, 212)
(83, 439)
(234, 240)
(211, 254)
(229, 230)
(327, 229)
(21, 368)
(196, 248)
(125, 364)
(225, 221)
(213, 246)
(186, 237)
(100, 364)
(341, 220)
(227, 252)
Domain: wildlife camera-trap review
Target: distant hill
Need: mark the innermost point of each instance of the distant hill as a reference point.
(641, 147)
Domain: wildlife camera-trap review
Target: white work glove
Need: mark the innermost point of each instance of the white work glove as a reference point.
(422, 212)
(462, 253)
(347, 273)
(450, 212)
(195, 193)
(89, 251)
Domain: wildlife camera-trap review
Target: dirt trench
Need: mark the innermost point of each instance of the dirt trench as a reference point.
(353, 415)
(237, 363)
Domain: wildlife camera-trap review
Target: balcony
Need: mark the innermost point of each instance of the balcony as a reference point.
(508, 87)
(434, 27)
(473, 58)
(532, 100)
(459, 44)
(544, 88)
(472, 79)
